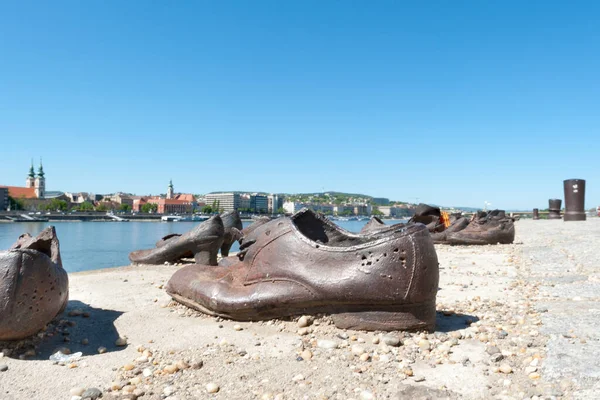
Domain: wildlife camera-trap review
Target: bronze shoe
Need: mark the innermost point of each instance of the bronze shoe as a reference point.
(306, 265)
(232, 224)
(375, 225)
(233, 227)
(492, 228)
(457, 224)
(34, 287)
(203, 242)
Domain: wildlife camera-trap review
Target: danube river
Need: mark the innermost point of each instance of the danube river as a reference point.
(95, 245)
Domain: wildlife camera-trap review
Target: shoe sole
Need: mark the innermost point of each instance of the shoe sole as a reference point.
(405, 317)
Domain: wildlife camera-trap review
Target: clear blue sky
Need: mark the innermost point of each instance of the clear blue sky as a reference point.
(453, 102)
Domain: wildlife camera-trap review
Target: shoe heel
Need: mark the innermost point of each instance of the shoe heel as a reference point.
(206, 257)
(225, 248)
(410, 317)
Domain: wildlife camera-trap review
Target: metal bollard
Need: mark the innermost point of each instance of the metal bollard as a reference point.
(536, 213)
(574, 200)
(554, 208)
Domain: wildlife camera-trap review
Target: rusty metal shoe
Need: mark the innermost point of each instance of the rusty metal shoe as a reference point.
(305, 264)
(34, 287)
(203, 242)
(493, 228)
(377, 226)
(232, 224)
(233, 227)
(457, 224)
(429, 216)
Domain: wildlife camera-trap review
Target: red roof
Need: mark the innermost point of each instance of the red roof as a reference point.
(17, 192)
(186, 197)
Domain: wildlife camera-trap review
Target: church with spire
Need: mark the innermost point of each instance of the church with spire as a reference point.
(35, 185)
(37, 182)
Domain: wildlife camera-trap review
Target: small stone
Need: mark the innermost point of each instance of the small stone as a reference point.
(306, 354)
(72, 365)
(197, 364)
(128, 367)
(419, 378)
(121, 341)
(375, 340)
(492, 350)
(128, 389)
(237, 328)
(101, 350)
(392, 340)
(408, 371)
(135, 381)
(366, 395)
(505, 369)
(78, 391)
(181, 364)
(92, 394)
(365, 357)
(169, 390)
(171, 369)
(424, 344)
(304, 321)
(357, 350)
(303, 331)
(534, 375)
(298, 377)
(212, 387)
(147, 372)
(327, 344)
(496, 357)
(3, 368)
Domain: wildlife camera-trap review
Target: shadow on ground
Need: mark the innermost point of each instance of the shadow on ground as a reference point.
(77, 324)
(453, 322)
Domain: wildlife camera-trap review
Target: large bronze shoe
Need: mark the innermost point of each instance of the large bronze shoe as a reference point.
(34, 287)
(306, 265)
(493, 228)
(233, 227)
(203, 242)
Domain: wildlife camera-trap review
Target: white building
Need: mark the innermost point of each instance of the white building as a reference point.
(292, 207)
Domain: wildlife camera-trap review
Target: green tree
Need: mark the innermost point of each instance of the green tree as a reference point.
(57, 205)
(16, 204)
(86, 206)
(125, 207)
(149, 208)
(280, 210)
(102, 207)
(207, 209)
(376, 211)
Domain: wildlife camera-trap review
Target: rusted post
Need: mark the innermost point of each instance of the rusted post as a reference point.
(554, 208)
(574, 199)
(536, 213)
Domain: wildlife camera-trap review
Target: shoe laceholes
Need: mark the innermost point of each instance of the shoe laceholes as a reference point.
(402, 256)
(366, 262)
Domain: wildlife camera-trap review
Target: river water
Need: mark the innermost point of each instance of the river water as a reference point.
(87, 246)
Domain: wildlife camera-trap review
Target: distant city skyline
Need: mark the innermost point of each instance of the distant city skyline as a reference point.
(448, 103)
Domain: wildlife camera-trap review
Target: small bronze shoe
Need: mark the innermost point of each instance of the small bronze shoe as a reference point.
(457, 224)
(203, 242)
(233, 227)
(34, 287)
(306, 265)
(493, 228)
